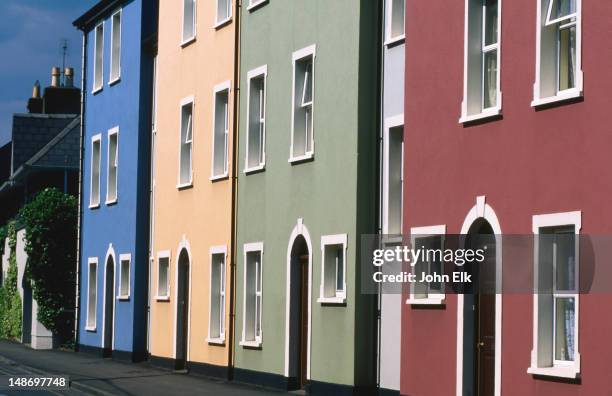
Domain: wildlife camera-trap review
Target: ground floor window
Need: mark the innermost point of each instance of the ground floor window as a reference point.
(92, 293)
(216, 329)
(251, 330)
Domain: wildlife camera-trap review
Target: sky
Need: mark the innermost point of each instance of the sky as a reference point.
(31, 37)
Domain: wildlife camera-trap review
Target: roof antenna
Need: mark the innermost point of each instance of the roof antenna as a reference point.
(64, 48)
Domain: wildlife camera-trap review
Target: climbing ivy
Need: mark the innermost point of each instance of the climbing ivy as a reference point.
(50, 222)
(10, 301)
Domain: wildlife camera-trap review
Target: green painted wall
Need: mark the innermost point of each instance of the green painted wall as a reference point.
(333, 194)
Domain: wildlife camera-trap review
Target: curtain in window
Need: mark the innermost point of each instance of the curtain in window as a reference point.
(490, 88)
(569, 330)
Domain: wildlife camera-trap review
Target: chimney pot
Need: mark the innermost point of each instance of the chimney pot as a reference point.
(69, 77)
(36, 90)
(55, 77)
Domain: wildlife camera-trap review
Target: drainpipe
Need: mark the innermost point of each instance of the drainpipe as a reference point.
(233, 253)
(80, 204)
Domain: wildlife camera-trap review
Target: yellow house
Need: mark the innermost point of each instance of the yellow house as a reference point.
(192, 186)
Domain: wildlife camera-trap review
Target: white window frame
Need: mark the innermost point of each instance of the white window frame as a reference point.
(219, 88)
(92, 327)
(257, 343)
(340, 297)
(188, 40)
(218, 250)
(432, 298)
(391, 123)
(184, 102)
(307, 52)
(560, 369)
(261, 71)
(98, 87)
(111, 79)
(468, 115)
(164, 254)
(543, 22)
(95, 203)
(253, 4)
(389, 39)
(123, 258)
(219, 23)
(109, 200)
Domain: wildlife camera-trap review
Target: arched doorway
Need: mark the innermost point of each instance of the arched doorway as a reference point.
(299, 311)
(182, 310)
(109, 305)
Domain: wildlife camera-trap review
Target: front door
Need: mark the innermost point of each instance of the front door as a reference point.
(109, 305)
(182, 307)
(302, 375)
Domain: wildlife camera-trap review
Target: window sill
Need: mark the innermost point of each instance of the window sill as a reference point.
(94, 206)
(301, 158)
(332, 300)
(425, 301)
(216, 341)
(110, 202)
(250, 344)
(571, 371)
(114, 81)
(254, 169)
(92, 328)
(123, 298)
(488, 113)
(256, 5)
(218, 177)
(390, 239)
(562, 96)
(222, 23)
(162, 298)
(188, 41)
(390, 42)
(98, 89)
(184, 186)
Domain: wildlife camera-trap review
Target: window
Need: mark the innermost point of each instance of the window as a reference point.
(124, 276)
(92, 293)
(333, 273)
(302, 141)
(396, 10)
(256, 116)
(224, 12)
(163, 280)
(393, 175)
(115, 71)
(189, 21)
(220, 131)
(185, 172)
(428, 238)
(112, 163)
(555, 350)
(558, 57)
(255, 3)
(94, 191)
(98, 65)
(216, 326)
(251, 330)
(481, 93)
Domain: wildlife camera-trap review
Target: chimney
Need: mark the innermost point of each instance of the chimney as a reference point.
(35, 103)
(55, 77)
(69, 77)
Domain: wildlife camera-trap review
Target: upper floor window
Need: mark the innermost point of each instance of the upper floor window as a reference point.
(482, 96)
(113, 165)
(393, 173)
(220, 131)
(98, 64)
(256, 119)
(189, 20)
(115, 64)
(94, 182)
(255, 3)
(302, 139)
(395, 25)
(224, 11)
(558, 63)
(555, 349)
(186, 143)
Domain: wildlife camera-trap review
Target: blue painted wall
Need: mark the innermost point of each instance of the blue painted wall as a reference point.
(124, 226)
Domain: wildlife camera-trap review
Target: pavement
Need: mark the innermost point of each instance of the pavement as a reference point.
(91, 375)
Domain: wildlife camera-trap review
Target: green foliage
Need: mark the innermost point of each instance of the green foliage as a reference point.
(50, 222)
(10, 301)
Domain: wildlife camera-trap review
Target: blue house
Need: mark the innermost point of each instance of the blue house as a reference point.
(119, 48)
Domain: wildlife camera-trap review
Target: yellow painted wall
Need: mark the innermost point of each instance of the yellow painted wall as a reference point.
(201, 214)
